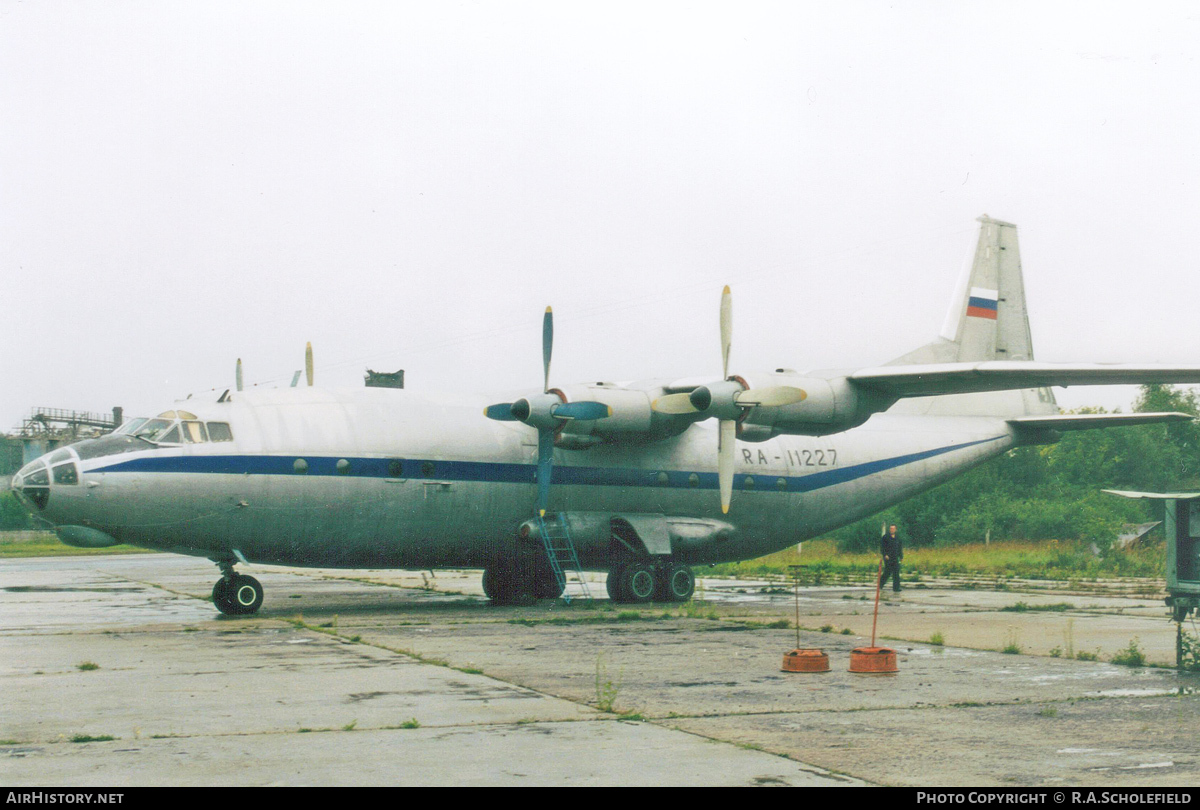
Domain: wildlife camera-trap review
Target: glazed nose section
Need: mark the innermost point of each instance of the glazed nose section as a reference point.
(32, 485)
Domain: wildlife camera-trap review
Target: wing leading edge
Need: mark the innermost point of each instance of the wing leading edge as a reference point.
(937, 379)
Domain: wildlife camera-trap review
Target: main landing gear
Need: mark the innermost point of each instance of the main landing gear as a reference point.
(641, 582)
(236, 594)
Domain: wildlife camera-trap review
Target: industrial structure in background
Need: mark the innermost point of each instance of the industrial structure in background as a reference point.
(47, 428)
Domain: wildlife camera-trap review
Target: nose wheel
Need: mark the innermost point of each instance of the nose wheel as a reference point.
(237, 594)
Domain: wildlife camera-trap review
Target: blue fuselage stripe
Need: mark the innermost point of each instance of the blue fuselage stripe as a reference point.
(502, 472)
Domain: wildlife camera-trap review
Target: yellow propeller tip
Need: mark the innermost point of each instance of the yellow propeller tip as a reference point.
(724, 509)
(726, 290)
(541, 513)
(548, 309)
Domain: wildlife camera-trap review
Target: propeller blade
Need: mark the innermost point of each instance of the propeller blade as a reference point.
(501, 412)
(726, 330)
(772, 396)
(545, 468)
(239, 374)
(674, 403)
(308, 364)
(547, 345)
(581, 410)
(295, 379)
(725, 442)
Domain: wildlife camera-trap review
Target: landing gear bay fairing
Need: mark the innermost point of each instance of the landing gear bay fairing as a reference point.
(642, 480)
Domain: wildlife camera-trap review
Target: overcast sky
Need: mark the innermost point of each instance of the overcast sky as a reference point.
(408, 185)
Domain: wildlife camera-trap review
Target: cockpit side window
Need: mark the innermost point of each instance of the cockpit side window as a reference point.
(170, 437)
(194, 432)
(219, 432)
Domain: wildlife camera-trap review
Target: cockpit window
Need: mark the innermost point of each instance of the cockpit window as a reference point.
(194, 432)
(130, 427)
(153, 429)
(177, 415)
(168, 429)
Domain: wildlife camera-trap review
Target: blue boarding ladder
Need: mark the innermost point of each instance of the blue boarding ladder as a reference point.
(560, 551)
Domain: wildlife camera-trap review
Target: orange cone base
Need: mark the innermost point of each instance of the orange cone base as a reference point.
(805, 661)
(873, 660)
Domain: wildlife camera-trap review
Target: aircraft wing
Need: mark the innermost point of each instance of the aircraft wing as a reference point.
(1087, 421)
(1003, 375)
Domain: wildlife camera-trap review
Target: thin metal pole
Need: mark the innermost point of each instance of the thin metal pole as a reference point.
(878, 583)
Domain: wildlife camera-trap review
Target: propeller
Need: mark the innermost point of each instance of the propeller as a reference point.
(238, 375)
(308, 363)
(729, 401)
(548, 413)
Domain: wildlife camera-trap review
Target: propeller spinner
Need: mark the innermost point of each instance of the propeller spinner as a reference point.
(729, 401)
(547, 412)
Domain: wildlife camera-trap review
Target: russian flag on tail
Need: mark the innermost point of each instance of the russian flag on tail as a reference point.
(982, 303)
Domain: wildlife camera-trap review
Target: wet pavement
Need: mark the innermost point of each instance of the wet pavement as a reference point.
(385, 677)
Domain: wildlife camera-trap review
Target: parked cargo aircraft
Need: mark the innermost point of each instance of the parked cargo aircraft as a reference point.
(639, 479)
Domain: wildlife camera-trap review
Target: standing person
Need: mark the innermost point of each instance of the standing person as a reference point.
(892, 550)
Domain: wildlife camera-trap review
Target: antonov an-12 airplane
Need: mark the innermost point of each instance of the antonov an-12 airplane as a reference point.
(641, 480)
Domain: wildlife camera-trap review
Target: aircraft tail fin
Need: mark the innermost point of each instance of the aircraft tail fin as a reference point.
(988, 320)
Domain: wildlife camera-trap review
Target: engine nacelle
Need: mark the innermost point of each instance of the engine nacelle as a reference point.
(832, 406)
(631, 417)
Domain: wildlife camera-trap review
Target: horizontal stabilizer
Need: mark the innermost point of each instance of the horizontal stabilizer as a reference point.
(1087, 421)
(1005, 375)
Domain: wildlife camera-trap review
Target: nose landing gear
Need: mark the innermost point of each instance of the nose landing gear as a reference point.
(236, 594)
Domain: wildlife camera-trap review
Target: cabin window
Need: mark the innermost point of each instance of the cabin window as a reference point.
(396, 468)
(343, 466)
(427, 469)
(66, 474)
(300, 466)
(663, 479)
(748, 483)
(781, 484)
(219, 432)
(693, 480)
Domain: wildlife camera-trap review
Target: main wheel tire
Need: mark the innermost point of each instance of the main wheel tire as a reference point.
(637, 583)
(507, 586)
(546, 584)
(613, 584)
(246, 595)
(677, 583)
(222, 598)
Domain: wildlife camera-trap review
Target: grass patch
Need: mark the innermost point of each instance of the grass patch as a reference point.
(350, 726)
(87, 666)
(1047, 712)
(1022, 607)
(410, 724)
(15, 545)
(1084, 655)
(1130, 656)
(86, 738)
(937, 639)
(992, 563)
